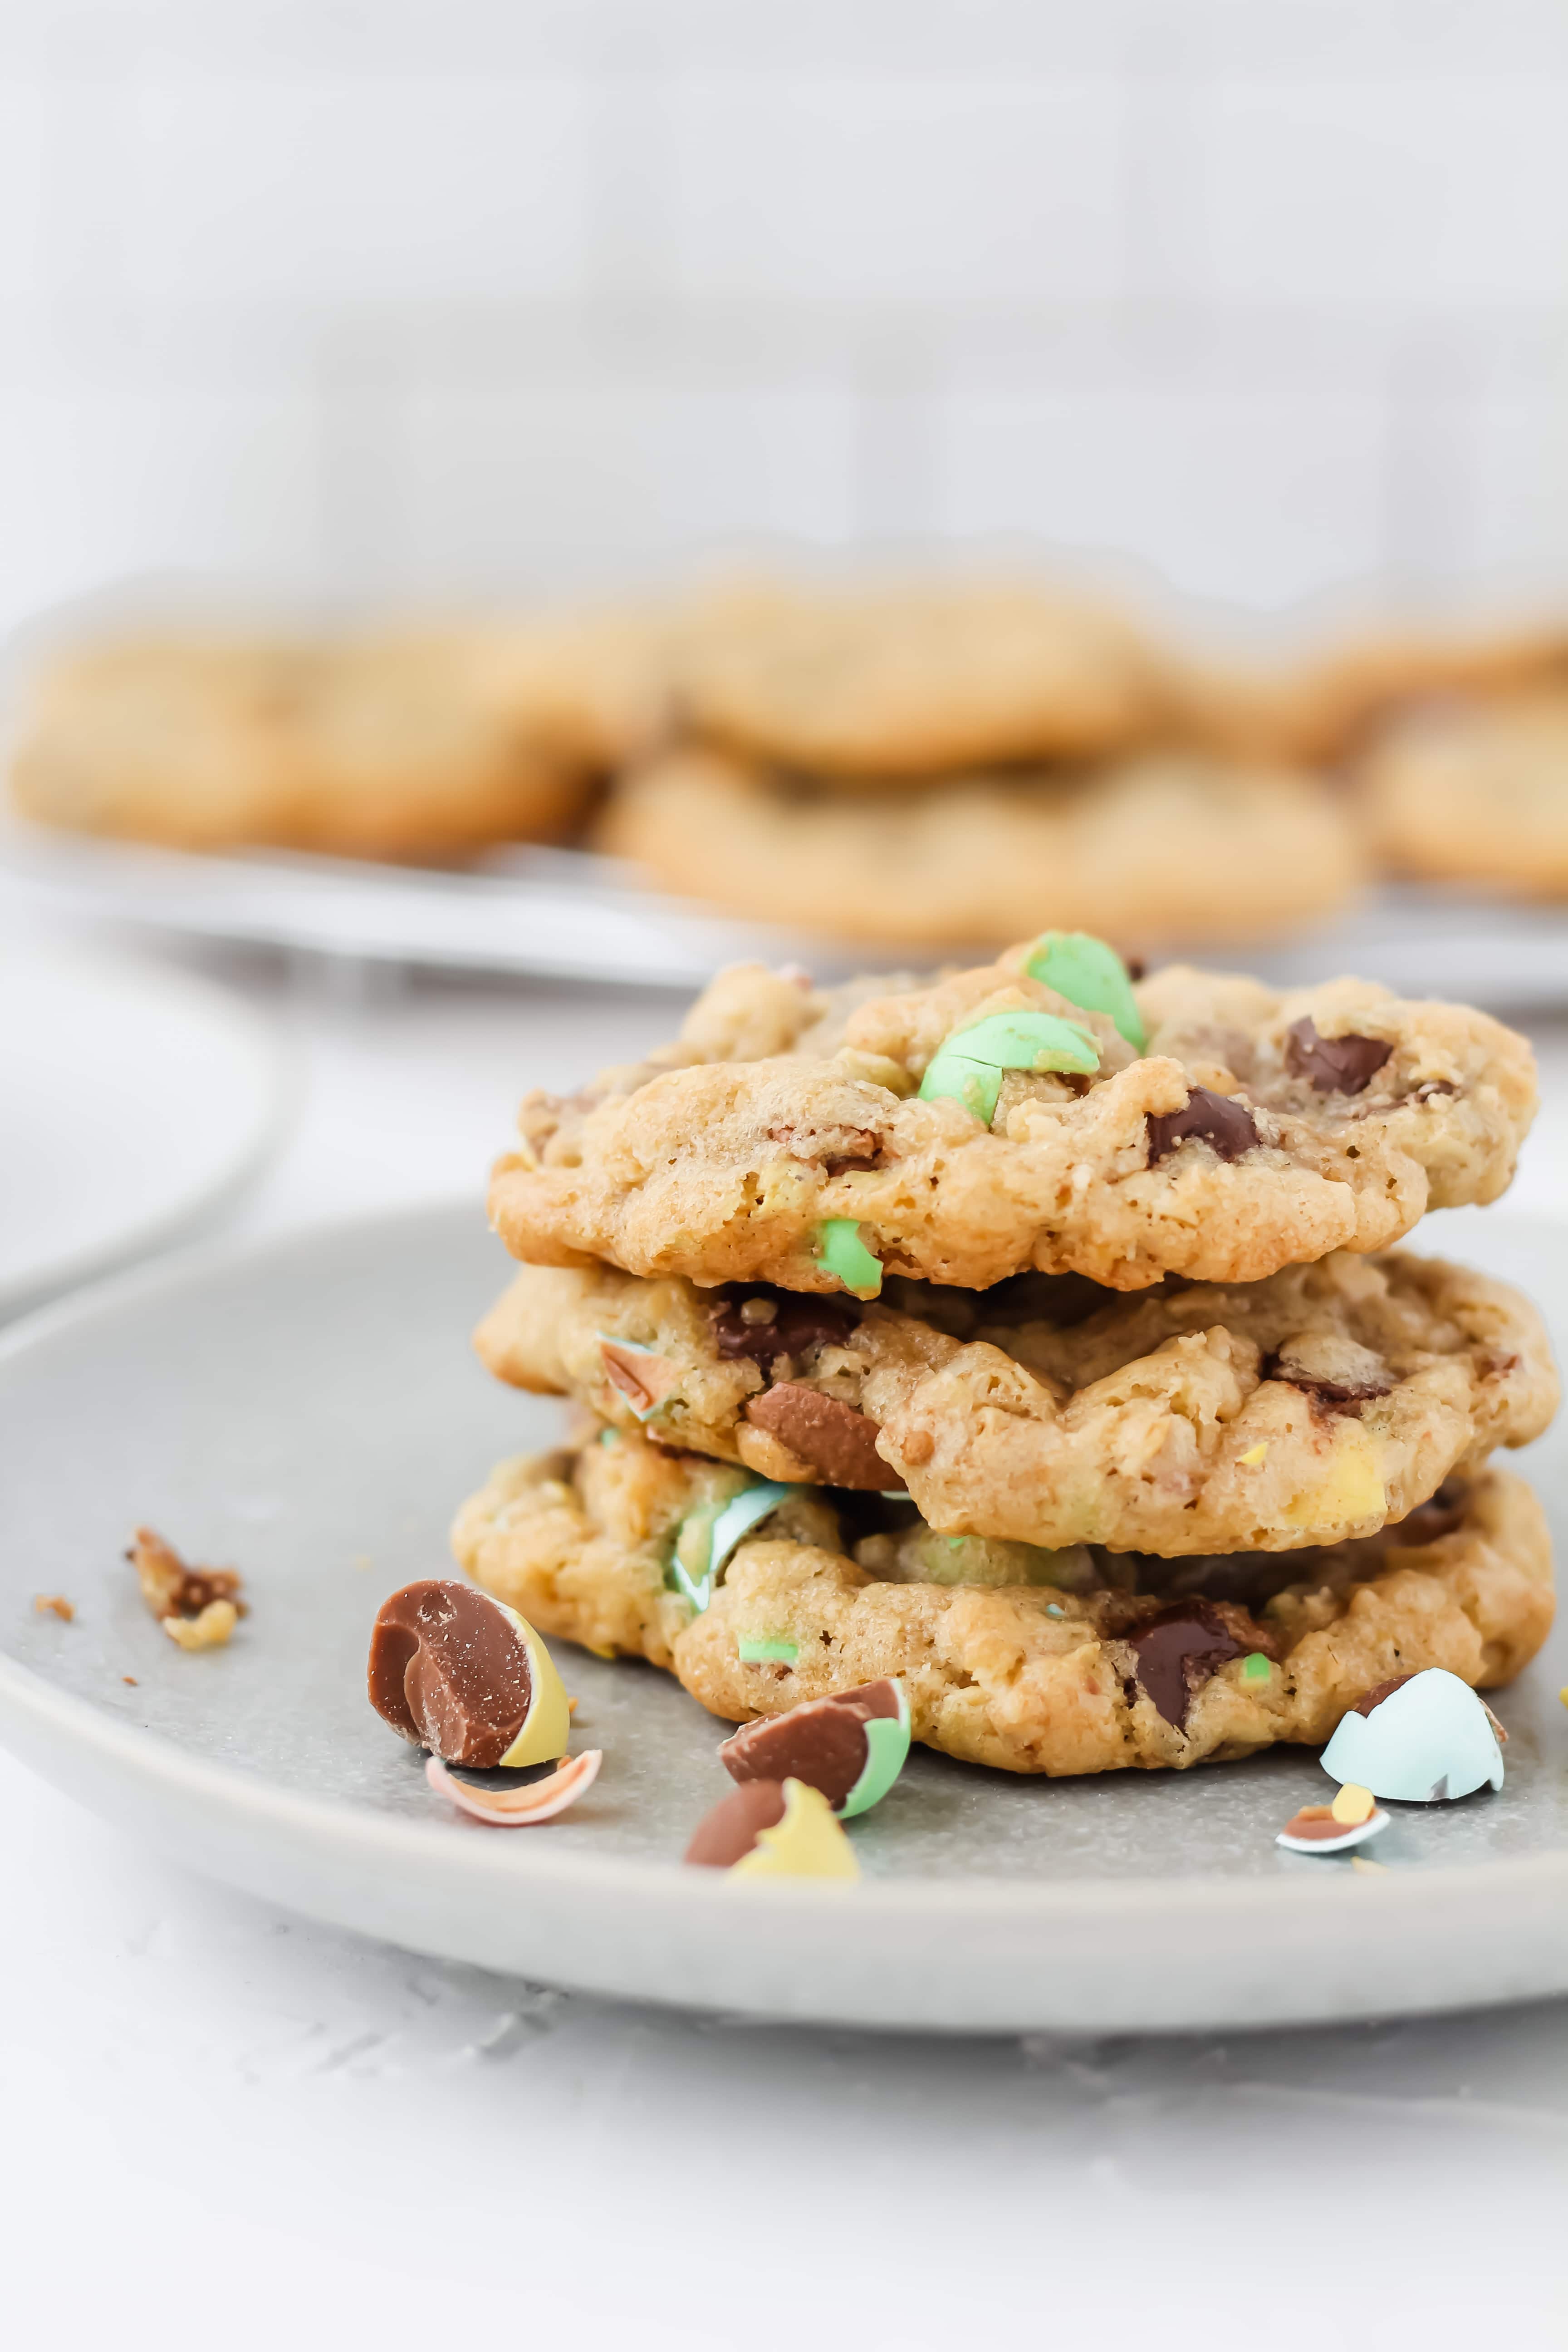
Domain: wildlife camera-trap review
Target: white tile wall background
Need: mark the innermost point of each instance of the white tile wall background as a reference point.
(1264, 300)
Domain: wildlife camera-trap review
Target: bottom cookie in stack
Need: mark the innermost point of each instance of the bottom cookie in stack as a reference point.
(759, 1595)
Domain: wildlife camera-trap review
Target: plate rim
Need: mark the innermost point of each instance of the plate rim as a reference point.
(279, 1078)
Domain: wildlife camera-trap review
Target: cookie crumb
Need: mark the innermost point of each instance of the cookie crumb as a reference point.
(209, 1630)
(53, 1605)
(132, 1680)
(197, 1607)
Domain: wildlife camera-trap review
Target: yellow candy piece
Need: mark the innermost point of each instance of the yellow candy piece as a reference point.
(1253, 1455)
(547, 1728)
(808, 1843)
(1351, 1494)
(1353, 1805)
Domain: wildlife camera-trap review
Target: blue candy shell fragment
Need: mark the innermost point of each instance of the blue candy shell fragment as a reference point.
(1430, 1739)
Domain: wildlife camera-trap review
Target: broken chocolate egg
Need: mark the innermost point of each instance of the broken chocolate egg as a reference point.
(773, 1829)
(1419, 1739)
(1330, 1829)
(850, 1746)
(466, 1676)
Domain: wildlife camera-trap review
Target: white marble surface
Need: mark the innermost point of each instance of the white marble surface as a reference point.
(222, 2125)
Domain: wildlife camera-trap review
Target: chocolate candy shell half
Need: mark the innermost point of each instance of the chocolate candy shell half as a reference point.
(806, 1843)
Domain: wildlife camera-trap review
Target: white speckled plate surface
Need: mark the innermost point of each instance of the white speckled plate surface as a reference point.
(308, 1411)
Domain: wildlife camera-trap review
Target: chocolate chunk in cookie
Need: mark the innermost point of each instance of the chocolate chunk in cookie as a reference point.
(1206, 1117)
(764, 1323)
(1177, 1652)
(833, 1437)
(1437, 1516)
(1333, 1066)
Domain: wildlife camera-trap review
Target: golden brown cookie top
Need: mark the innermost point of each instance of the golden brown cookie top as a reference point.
(987, 1122)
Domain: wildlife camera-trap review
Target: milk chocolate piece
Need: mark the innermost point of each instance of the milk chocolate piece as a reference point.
(1213, 1118)
(1334, 1065)
(1178, 1651)
(450, 1672)
(722, 1837)
(833, 1437)
(1316, 1823)
(798, 1321)
(823, 1741)
(1379, 1692)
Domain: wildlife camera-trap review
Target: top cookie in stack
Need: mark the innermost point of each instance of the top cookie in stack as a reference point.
(1033, 1335)
(946, 765)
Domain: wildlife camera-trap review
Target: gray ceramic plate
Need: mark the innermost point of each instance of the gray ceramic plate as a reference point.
(308, 1411)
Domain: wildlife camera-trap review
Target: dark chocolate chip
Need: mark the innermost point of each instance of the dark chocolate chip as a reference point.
(822, 1742)
(1335, 1065)
(1178, 1651)
(1212, 1118)
(730, 1831)
(450, 1671)
(1437, 1516)
(1379, 1692)
(833, 1437)
(799, 1321)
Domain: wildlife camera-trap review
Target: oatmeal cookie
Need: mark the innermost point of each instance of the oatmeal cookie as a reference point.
(397, 746)
(1173, 846)
(872, 686)
(1306, 1409)
(1028, 1660)
(1477, 791)
(988, 1122)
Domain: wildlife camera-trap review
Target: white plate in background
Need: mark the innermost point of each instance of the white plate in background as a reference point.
(308, 1411)
(133, 1102)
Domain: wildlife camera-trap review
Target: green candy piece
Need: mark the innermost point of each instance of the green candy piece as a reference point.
(696, 1566)
(1256, 1667)
(967, 1067)
(841, 1251)
(766, 1649)
(887, 1746)
(1086, 972)
(610, 1436)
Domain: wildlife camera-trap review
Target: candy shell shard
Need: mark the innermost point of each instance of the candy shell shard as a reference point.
(766, 1649)
(886, 1751)
(1088, 973)
(520, 1808)
(967, 1067)
(728, 1526)
(1319, 1833)
(1427, 1739)
(640, 1374)
(547, 1726)
(840, 1251)
(807, 1842)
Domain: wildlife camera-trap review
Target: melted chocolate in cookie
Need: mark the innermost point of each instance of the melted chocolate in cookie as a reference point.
(1438, 1515)
(1178, 1651)
(1213, 1118)
(799, 1320)
(1334, 1065)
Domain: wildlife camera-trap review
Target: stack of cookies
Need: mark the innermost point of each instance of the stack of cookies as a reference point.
(941, 765)
(1034, 1336)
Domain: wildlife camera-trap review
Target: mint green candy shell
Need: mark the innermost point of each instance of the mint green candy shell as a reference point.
(1088, 973)
(841, 1251)
(953, 1077)
(634, 1347)
(765, 1652)
(1026, 1041)
(738, 1517)
(886, 1747)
